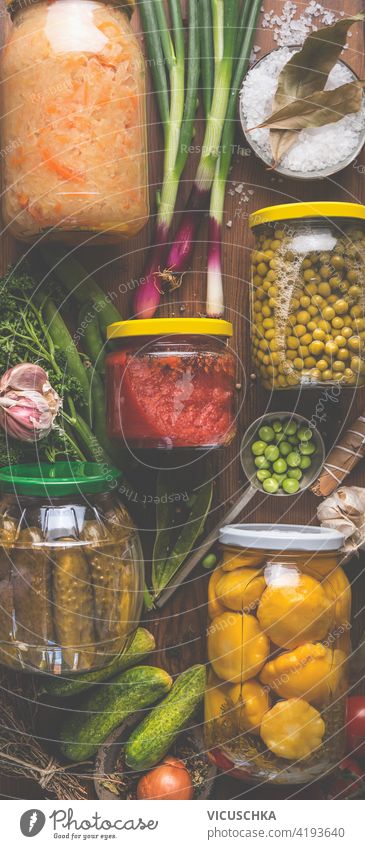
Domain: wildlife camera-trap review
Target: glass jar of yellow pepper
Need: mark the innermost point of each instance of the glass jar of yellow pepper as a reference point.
(307, 305)
(278, 646)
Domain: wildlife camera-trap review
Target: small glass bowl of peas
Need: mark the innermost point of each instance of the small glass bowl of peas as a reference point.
(282, 453)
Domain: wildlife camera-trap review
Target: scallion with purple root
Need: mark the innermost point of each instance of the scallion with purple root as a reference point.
(177, 104)
(245, 35)
(224, 19)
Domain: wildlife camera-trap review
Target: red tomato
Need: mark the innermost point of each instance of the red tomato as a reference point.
(349, 781)
(355, 726)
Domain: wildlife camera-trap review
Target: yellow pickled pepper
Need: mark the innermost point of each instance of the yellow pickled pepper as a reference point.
(295, 611)
(214, 605)
(244, 705)
(237, 647)
(292, 729)
(240, 589)
(311, 671)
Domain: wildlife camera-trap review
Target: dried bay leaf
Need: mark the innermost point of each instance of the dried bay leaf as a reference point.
(307, 72)
(318, 109)
(281, 141)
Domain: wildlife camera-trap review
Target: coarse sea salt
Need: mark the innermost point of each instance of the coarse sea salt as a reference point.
(290, 28)
(316, 149)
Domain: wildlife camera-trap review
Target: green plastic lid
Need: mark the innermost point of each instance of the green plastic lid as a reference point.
(55, 479)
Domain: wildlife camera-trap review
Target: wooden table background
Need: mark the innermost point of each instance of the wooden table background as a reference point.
(180, 627)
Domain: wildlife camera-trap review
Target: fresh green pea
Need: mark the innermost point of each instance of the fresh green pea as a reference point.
(307, 448)
(271, 453)
(295, 474)
(280, 466)
(262, 474)
(277, 426)
(290, 485)
(305, 462)
(270, 485)
(285, 448)
(279, 478)
(290, 428)
(304, 434)
(266, 433)
(258, 448)
(293, 459)
(261, 462)
(209, 561)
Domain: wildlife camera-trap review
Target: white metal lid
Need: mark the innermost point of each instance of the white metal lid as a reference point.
(281, 537)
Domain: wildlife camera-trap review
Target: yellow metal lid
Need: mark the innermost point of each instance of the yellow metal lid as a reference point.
(311, 209)
(165, 326)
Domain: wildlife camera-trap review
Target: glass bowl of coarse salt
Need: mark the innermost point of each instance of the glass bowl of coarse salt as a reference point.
(319, 151)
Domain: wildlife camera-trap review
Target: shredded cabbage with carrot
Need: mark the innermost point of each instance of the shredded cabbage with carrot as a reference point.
(74, 121)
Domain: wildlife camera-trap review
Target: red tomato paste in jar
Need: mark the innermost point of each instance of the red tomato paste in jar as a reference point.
(170, 383)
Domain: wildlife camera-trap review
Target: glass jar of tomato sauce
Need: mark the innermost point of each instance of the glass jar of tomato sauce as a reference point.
(171, 383)
(74, 122)
(278, 648)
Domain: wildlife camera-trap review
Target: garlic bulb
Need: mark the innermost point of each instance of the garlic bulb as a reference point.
(344, 511)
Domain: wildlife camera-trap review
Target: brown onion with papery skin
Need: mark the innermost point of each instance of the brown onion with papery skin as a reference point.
(169, 780)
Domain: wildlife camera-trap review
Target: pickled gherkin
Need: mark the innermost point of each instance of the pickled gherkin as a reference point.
(30, 574)
(105, 581)
(71, 569)
(7, 648)
(111, 581)
(7, 535)
(73, 607)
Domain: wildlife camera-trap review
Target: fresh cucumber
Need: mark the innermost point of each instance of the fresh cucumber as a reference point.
(63, 688)
(152, 739)
(103, 710)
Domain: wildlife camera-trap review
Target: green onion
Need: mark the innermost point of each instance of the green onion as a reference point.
(206, 52)
(178, 128)
(154, 49)
(215, 302)
(224, 17)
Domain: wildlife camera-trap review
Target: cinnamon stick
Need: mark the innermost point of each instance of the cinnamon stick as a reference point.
(342, 459)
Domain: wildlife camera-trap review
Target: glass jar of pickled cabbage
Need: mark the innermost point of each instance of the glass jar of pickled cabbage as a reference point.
(307, 304)
(71, 568)
(278, 649)
(74, 126)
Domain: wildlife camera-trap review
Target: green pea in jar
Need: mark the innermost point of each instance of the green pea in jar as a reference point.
(307, 304)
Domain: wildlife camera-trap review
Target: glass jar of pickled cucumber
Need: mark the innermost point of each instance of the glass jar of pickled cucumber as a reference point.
(307, 304)
(278, 647)
(71, 568)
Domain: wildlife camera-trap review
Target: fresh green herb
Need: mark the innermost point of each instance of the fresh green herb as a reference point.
(32, 330)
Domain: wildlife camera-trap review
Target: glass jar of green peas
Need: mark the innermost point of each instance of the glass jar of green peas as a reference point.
(282, 453)
(308, 296)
